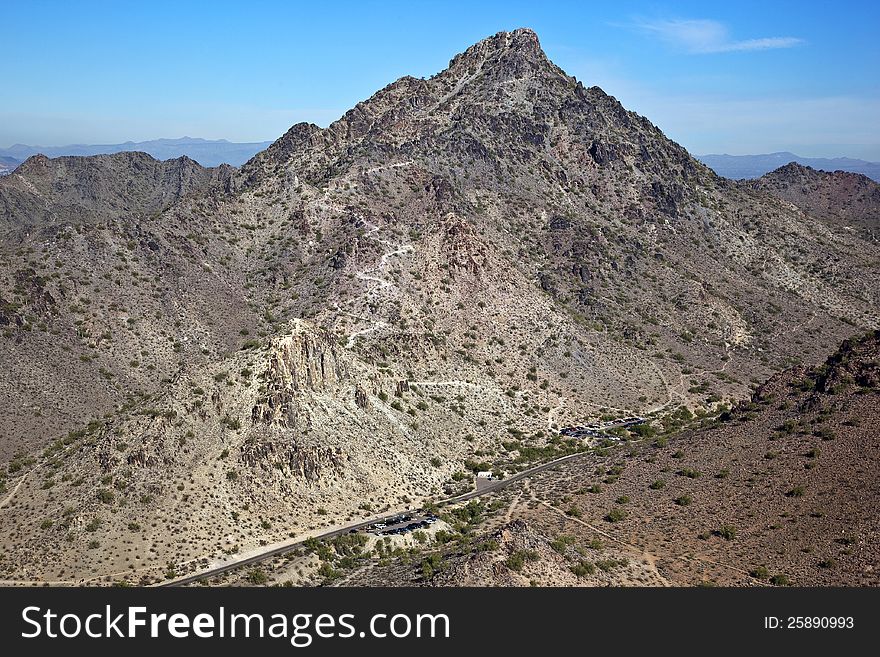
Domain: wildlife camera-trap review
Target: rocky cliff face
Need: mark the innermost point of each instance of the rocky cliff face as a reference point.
(297, 362)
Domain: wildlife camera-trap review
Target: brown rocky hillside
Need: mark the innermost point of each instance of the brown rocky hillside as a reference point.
(201, 362)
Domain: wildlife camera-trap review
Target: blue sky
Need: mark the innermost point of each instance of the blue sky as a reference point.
(736, 77)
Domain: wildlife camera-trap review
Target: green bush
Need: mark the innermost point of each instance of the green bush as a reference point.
(615, 515)
(726, 532)
(583, 568)
(517, 560)
(759, 572)
(690, 473)
(560, 543)
(106, 496)
(257, 577)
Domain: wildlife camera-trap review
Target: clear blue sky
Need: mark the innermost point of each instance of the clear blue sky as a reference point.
(736, 77)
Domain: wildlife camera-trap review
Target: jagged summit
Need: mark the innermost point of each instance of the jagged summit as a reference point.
(520, 45)
(43, 191)
(501, 103)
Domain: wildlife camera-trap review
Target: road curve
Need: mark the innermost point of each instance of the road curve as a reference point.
(268, 554)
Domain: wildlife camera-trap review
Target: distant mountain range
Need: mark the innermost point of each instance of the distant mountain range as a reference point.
(214, 152)
(755, 166)
(7, 164)
(207, 152)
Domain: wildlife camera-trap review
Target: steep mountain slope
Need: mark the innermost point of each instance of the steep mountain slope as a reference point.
(782, 487)
(92, 305)
(338, 327)
(779, 491)
(846, 200)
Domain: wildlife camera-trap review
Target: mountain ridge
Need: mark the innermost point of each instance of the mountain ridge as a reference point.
(850, 200)
(208, 152)
(740, 167)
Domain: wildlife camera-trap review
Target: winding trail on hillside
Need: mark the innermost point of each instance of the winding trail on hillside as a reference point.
(649, 558)
(370, 275)
(14, 490)
(393, 165)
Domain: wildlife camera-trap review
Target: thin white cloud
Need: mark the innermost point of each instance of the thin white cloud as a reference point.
(704, 36)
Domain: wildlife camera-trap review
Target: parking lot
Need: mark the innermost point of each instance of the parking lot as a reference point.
(401, 524)
(598, 430)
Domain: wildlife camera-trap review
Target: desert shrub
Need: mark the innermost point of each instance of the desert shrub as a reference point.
(759, 572)
(517, 560)
(257, 577)
(615, 515)
(797, 491)
(726, 532)
(583, 568)
(561, 543)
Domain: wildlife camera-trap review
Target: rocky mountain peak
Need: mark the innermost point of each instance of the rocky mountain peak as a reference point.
(791, 171)
(501, 101)
(503, 57)
(520, 44)
(34, 164)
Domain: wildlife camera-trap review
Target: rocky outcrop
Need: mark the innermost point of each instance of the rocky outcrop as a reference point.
(492, 567)
(302, 360)
(308, 463)
(360, 398)
(463, 248)
(856, 362)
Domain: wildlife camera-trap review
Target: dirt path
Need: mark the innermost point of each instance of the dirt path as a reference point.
(370, 275)
(453, 383)
(14, 490)
(554, 411)
(647, 557)
(514, 504)
(395, 165)
(678, 390)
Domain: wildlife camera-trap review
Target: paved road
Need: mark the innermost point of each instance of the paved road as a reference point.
(495, 485)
